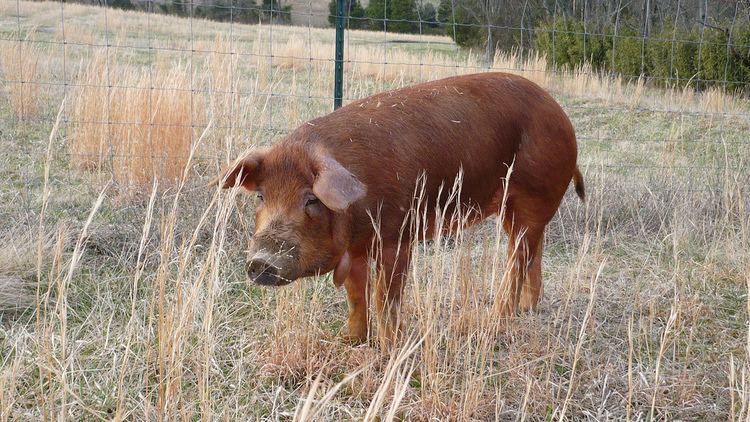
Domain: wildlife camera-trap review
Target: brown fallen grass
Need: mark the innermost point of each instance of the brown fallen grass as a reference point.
(24, 263)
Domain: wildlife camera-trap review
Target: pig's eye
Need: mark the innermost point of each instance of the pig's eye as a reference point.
(260, 197)
(312, 201)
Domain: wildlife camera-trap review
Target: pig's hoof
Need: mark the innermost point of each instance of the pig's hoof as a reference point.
(506, 309)
(528, 302)
(356, 334)
(389, 335)
(355, 339)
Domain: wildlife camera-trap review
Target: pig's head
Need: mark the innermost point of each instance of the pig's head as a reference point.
(302, 221)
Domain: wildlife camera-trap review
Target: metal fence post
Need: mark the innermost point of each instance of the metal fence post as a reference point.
(338, 83)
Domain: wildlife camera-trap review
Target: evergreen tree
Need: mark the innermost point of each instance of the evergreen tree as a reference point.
(458, 24)
(399, 15)
(245, 11)
(376, 11)
(353, 11)
(121, 4)
(428, 15)
(404, 15)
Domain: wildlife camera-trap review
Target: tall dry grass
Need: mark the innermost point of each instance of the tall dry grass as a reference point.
(19, 63)
(187, 344)
(136, 124)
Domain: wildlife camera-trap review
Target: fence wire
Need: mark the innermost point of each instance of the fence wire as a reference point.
(654, 88)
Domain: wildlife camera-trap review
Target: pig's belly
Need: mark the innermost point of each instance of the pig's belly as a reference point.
(476, 203)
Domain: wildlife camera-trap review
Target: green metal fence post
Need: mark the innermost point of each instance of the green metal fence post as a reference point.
(338, 82)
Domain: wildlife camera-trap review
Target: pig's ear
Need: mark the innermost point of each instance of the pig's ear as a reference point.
(335, 186)
(241, 173)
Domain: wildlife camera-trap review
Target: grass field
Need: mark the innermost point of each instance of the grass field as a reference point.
(126, 299)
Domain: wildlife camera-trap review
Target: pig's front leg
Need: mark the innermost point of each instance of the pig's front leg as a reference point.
(392, 270)
(358, 296)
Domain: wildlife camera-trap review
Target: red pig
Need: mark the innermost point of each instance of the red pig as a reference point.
(340, 181)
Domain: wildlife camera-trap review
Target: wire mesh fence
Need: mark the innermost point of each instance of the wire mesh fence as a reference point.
(142, 84)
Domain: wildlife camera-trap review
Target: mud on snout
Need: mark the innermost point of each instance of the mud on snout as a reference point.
(272, 262)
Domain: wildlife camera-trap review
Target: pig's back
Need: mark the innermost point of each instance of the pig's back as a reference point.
(477, 123)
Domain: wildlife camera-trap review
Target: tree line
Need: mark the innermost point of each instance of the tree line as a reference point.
(239, 11)
(388, 15)
(673, 41)
(701, 42)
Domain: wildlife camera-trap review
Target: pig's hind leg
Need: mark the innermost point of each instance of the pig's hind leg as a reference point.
(534, 192)
(525, 243)
(532, 287)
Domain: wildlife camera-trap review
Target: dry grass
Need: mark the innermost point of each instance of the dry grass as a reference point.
(646, 284)
(19, 63)
(140, 130)
(23, 260)
(16, 294)
(75, 34)
(601, 346)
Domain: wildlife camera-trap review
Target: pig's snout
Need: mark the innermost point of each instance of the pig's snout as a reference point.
(261, 270)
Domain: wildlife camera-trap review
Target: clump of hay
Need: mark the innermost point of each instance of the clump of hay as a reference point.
(21, 257)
